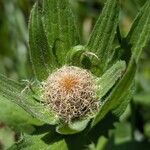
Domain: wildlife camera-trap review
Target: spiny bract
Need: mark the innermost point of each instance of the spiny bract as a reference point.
(70, 93)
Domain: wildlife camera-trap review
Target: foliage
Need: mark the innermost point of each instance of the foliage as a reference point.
(111, 54)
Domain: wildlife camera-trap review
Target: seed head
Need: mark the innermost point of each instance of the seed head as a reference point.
(70, 93)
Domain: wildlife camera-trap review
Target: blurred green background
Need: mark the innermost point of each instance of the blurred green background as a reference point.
(134, 129)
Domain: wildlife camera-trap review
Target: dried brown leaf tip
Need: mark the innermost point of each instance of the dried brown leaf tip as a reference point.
(70, 93)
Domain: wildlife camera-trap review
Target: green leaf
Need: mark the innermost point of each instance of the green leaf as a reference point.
(79, 56)
(125, 99)
(60, 27)
(59, 144)
(36, 142)
(139, 33)
(42, 58)
(15, 117)
(79, 125)
(102, 37)
(109, 78)
(30, 143)
(72, 128)
(14, 92)
(137, 39)
(64, 129)
(101, 143)
(10, 89)
(74, 55)
(114, 99)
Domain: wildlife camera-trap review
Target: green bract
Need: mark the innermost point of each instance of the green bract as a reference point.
(54, 42)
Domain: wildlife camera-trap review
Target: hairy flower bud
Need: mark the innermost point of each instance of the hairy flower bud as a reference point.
(70, 93)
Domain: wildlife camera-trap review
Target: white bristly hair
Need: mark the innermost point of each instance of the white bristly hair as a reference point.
(70, 93)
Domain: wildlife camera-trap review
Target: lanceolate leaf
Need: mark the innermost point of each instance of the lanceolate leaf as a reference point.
(109, 78)
(114, 99)
(139, 33)
(16, 93)
(137, 39)
(9, 88)
(43, 60)
(60, 27)
(102, 37)
(125, 99)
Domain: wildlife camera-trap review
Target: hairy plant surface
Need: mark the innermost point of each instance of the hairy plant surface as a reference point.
(79, 90)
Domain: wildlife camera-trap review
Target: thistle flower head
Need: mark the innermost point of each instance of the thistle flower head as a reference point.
(70, 93)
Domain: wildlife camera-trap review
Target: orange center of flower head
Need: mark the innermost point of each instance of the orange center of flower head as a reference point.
(68, 82)
(70, 93)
